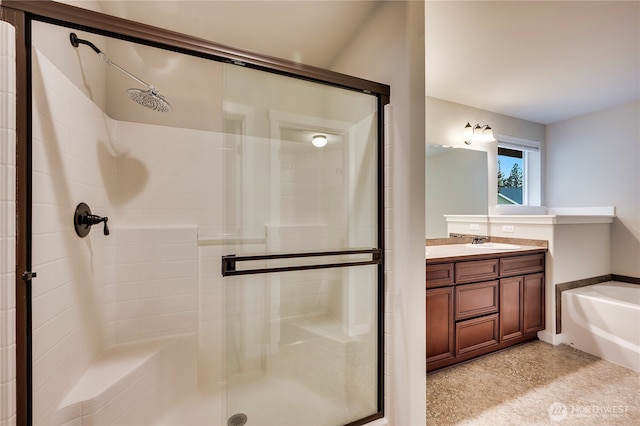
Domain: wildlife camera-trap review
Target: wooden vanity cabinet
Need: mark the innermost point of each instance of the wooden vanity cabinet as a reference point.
(521, 305)
(440, 332)
(476, 299)
(518, 265)
(476, 334)
(475, 307)
(476, 270)
(511, 308)
(440, 274)
(533, 303)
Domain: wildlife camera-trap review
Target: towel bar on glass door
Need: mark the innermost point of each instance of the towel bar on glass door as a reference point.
(229, 261)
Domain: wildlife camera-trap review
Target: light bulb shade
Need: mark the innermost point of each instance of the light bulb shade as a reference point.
(478, 134)
(467, 134)
(487, 134)
(319, 141)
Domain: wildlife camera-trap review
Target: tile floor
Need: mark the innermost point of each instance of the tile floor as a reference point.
(534, 384)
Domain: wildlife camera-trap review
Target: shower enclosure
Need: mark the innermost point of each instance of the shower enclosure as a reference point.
(241, 281)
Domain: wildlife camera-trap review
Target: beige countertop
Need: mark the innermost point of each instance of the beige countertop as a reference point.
(447, 252)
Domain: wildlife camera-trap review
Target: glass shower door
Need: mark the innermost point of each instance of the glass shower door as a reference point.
(303, 263)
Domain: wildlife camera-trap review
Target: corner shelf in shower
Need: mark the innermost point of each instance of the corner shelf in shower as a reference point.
(116, 373)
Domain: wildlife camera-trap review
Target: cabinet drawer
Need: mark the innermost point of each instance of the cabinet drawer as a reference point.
(521, 264)
(476, 270)
(477, 299)
(476, 334)
(439, 275)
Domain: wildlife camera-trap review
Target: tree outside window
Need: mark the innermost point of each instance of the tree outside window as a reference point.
(510, 176)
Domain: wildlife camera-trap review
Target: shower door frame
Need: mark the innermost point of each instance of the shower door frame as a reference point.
(20, 14)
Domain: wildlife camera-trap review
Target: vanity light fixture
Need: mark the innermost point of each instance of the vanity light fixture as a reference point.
(319, 141)
(478, 133)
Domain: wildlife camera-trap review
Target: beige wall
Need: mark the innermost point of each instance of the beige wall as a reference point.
(390, 49)
(446, 120)
(594, 160)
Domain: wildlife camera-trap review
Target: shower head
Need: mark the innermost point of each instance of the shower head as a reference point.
(149, 98)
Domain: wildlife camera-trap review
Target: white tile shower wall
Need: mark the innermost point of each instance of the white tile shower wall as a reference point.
(151, 283)
(211, 323)
(232, 325)
(254, 183)
(168, 176)
(132, 384)
(7, 225)
(76, 311)
(81, 155)
(68, 314)
(313, 190)
(307, 293)
(138, 175)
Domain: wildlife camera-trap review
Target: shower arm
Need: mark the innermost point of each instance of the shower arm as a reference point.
(75, 41)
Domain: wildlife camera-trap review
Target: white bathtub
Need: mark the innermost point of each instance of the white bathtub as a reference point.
(604, 320)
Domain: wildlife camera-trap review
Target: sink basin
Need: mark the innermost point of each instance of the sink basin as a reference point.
(494, 246)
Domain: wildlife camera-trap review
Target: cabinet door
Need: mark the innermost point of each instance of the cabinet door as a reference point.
(533, 302)
(440, 343)
(511, 308)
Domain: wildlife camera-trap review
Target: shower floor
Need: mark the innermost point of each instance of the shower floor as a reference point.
(317, 376)
(255, 398)
(198, 408)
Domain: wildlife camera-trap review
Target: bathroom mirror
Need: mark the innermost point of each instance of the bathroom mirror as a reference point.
(456, 183)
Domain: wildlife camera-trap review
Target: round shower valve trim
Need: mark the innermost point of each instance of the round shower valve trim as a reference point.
(83, 220)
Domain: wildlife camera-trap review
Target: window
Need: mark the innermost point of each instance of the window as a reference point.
(518, 169)
(510, 176)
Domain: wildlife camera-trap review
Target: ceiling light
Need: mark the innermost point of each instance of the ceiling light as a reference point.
(319, 141)
(477, 134)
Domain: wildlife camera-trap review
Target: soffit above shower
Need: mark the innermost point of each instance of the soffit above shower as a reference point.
(312, 32)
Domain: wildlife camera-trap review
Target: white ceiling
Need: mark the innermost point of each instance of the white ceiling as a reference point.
(312, 32)
(543, 61)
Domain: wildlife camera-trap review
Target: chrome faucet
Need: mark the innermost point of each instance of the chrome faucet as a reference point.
(479, 240)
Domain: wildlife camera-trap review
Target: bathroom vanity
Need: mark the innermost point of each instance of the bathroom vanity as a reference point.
(481, 299)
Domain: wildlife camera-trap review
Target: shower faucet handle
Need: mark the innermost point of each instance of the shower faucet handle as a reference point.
(83, 220)
(94, 220)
